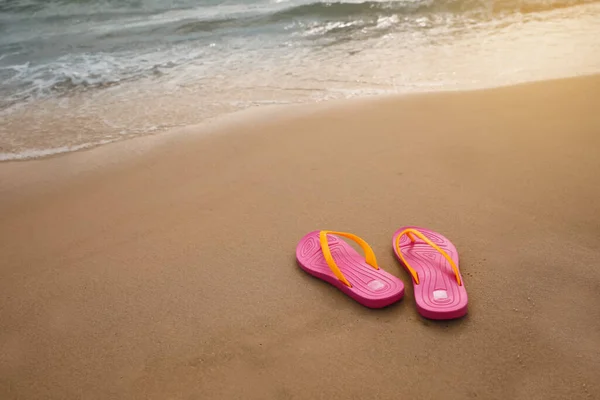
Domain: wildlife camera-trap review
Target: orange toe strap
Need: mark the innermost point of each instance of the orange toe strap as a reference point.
(369, 255)
(410, 232)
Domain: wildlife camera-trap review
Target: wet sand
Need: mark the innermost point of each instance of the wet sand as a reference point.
(165, 268)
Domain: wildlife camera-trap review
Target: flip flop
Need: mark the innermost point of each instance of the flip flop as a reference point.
(432, 261)
(329, 258)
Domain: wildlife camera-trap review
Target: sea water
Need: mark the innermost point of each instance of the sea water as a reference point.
(79, 73)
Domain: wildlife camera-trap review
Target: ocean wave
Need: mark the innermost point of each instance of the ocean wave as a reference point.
(137, 47)
(272, 10)
(335, 28)
(206, 25)
(349, 9)
(23, 82)
(345, 12)
(186, 16)
(61, 9)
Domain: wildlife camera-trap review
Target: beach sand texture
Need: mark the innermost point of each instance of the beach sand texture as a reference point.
(171, 274)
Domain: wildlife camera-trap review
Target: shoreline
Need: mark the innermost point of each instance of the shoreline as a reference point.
(222, 123)
(232, 112)
(163, 267)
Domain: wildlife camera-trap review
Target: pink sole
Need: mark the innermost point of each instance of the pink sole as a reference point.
(370, 287)
(438, 295)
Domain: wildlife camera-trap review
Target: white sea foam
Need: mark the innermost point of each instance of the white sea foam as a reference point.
(387, 22)
(37, 153)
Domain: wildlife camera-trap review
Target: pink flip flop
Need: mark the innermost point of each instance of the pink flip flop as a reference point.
(432, 261)
(331, 259)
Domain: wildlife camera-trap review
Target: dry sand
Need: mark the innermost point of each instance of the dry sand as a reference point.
(172, 274)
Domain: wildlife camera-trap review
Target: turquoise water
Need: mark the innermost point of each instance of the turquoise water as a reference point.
(80, 72)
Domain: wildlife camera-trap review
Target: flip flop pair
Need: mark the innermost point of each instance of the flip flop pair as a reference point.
(429, 257)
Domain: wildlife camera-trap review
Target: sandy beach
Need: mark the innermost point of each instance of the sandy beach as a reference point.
(164, 267)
